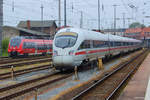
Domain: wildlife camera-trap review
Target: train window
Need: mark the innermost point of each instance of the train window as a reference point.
(111, 43)
(24, 45)
(85, 44)
(29, 45)
(42, 47)
(118, 43)
(64, 42)
(66, 39)
(100, 44)
(48, 46)
(15, 41)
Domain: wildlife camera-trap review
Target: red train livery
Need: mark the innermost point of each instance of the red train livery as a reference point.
(25, 46)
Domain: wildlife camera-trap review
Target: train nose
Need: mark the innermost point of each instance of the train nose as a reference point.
(63, 60)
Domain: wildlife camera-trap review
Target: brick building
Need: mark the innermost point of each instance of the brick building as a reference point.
(135, 33)
(10, 31)
(119, 32)
(139, 33)
(46, 26)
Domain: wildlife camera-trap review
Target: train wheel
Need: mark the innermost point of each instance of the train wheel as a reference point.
(10, 55)
(60, 69)
(44, 53)
(26, 54)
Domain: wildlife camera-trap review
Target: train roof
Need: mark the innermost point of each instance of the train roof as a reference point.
(92, 35)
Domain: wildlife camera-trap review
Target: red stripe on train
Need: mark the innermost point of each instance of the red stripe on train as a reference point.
(102, 50)
(80, 53)
(95, 51)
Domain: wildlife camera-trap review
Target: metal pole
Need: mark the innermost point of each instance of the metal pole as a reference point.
(114, 19)
(13, 7)
(59, 14)
(81, 21)
(123, 20)
(12, 72)
(129, 21)
(42, 17)
(1, 25)
(143, 17)
(98, 14)
(65, 19)
(133, 14)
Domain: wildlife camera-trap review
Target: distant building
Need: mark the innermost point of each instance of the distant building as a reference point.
(119, 32)
(10, 31)
(135, 33)
(139, 33)
(46, 26)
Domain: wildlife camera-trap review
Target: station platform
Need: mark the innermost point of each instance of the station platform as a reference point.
(138, 88)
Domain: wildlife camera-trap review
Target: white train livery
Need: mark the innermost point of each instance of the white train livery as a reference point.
(73, 46)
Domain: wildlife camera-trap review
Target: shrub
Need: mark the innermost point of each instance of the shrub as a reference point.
(5, 43)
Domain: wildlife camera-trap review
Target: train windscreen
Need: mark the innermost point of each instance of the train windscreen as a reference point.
(66, 39)
(15, 41)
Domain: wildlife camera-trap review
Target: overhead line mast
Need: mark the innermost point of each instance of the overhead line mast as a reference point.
(115, 18)
(99, 14)
(81, 20)
(42, 30)
(65, 19)
(1, 25)
(59, 13)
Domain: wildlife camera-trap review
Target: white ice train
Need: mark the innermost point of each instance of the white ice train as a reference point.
(72, 46)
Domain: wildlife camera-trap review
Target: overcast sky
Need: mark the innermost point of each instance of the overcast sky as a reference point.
(31, 10)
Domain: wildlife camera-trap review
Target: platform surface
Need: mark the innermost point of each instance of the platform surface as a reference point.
(137, 86)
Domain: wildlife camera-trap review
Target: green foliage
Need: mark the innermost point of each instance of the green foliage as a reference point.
(5, 43)
(5, 54)
(136, 25)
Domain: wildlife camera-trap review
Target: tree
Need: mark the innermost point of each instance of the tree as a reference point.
(5, 43)
(136, 25)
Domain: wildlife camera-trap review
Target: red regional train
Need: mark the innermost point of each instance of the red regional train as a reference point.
(29, 46)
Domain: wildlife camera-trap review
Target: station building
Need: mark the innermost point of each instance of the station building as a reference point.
(46, 26)
(31, 28)
(10, 31)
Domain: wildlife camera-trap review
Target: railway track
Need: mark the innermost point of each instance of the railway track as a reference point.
(13, 91)
(4, 58)
(11, 60)
(107, 87)
(24, 62)
(24, 71)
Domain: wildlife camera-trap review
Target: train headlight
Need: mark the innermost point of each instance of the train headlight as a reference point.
(55, 53)
(71, 52)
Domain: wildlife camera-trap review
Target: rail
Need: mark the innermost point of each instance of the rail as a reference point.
(110, 93)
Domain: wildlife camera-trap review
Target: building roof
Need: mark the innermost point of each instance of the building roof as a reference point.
(45, 23)
(133, 30)
(146, 29)
(28, 31)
